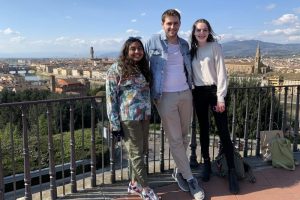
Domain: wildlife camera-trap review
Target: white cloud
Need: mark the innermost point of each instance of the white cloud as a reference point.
(63, 44)
(107, 44)
(143, 14)
(287, 31)
(133, 20)
(185, 34)
(282, 35)
(270, 6)
(286, 19)
(273, 32)
(69, 41)
(64, 41)
(132, 31)
(106, 40)
(41, 42)
(294, 38)
(229, 37)
(229, 27)
(78, 41)
(60, 39)
(9, 31)
(68, 17)
(17, 39)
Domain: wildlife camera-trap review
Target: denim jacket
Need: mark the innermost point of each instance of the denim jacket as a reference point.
(157, 52)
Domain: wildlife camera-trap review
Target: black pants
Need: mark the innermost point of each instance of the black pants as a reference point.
(204, 98)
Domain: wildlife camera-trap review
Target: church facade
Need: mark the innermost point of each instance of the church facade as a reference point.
(247, 67)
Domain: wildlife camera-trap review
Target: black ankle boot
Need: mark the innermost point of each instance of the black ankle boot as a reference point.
(233, 182)
(206, 170)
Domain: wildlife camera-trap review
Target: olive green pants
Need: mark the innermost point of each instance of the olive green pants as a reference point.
(136, 143)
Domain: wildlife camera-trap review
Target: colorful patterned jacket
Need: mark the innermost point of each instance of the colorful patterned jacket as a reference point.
(126, 99)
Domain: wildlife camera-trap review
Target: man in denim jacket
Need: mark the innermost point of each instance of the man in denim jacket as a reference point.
(170, 65)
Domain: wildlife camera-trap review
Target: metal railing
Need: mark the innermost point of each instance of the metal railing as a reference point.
(42, 122)
(34, 134)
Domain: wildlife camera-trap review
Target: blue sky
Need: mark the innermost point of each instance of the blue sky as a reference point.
(51, 28)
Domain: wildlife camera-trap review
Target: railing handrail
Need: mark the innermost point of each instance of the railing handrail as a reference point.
(100, 97)
(44, 171)
(49, 101)
(262, 87)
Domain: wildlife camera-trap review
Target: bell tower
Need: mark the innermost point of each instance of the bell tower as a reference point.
(92, 52)
(257, 62)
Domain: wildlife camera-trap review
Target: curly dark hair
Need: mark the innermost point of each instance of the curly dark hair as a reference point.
(130, 67)
(194, 43)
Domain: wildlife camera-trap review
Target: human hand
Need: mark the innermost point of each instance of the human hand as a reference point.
(118, 134)
(220, 107)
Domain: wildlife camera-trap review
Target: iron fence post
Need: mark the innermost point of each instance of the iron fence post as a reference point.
(246, 125)
(296, 126)
(258, 124)
(112, 158)
(283, 126)
(12, 153)
(233, 135)
(93, 146)
(162, 149)
(1, 174)
(271, 109)
(27, 176)
(62, 150)
(72, 150)
(52, 175)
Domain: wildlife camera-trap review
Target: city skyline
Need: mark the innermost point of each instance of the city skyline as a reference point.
(59, 28)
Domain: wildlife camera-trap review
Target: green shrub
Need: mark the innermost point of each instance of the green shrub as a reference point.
(41, 147)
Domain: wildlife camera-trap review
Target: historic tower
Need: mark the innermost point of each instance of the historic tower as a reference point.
(92, 52)
(257, 62)
(52, 83)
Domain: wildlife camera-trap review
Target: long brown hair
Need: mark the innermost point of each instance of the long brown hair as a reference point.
(130, 67)
(194, 42)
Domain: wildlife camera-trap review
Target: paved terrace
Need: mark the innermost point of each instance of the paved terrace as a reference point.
(271, 184)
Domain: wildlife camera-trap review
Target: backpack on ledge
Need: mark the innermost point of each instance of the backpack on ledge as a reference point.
(243, 169)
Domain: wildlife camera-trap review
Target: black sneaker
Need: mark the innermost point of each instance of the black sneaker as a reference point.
(195, 190)
(206, 170)
(182, 183)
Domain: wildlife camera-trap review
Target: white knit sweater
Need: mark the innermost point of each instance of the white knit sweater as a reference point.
(209, 68)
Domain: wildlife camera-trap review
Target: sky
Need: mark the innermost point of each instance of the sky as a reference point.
(68, 28)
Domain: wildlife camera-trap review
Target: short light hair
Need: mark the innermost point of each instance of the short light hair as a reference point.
(170, 12)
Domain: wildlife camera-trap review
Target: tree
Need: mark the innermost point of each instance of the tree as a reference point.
(248, 92)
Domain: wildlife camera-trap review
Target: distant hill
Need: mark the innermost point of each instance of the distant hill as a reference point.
(248, 48)
(109, 55)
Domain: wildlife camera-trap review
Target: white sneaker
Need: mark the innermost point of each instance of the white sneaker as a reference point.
(134, 189)
(149, 194)
(196, 191)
